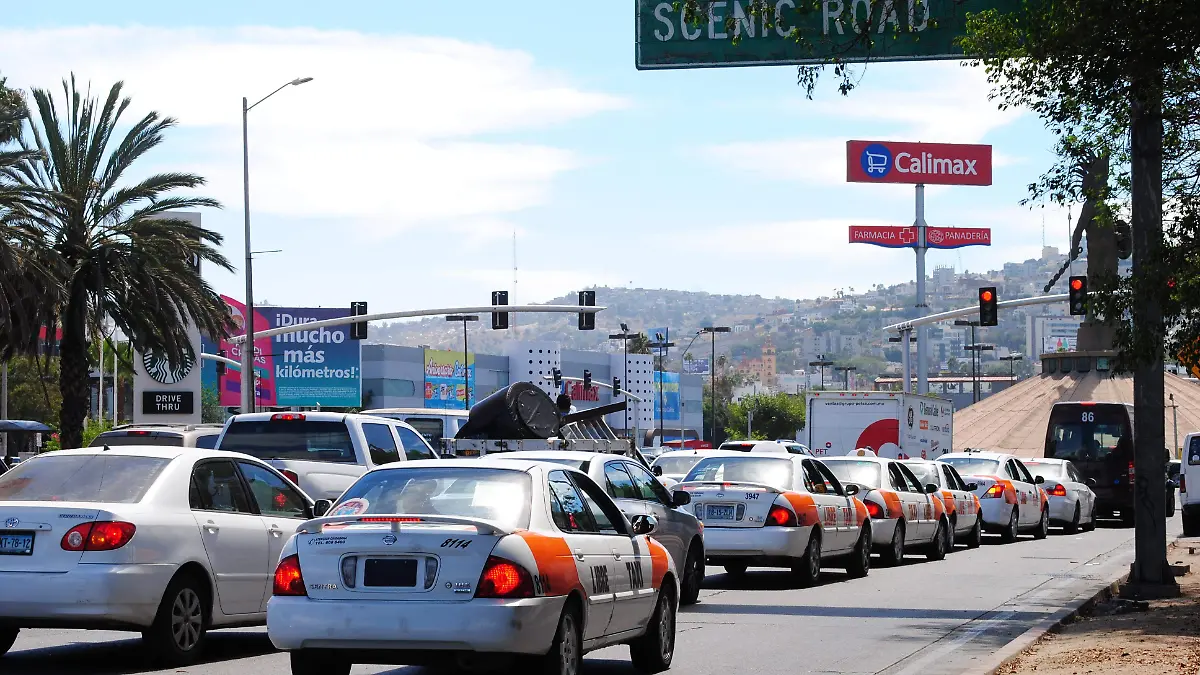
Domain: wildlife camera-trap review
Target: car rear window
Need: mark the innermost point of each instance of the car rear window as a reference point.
(307, 440)
(971, 466)
(866, 474)
(774, 472)
(113, 438)
(925, 473)
(677, 466)
(500, 495)
(110, 479)
(1047, 470)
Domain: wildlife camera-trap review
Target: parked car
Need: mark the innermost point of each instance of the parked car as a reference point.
(434, 424)
(962, 506)
(178, 435)
(323, 452)
(167, 541)
(1071, 499)
(1189, 485)
(1010, 498)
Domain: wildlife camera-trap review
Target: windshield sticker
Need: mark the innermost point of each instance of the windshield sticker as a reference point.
(351, 507)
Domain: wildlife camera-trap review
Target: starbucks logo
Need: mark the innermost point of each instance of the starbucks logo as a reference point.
(159, 368)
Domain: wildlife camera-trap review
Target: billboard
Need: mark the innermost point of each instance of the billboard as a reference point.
(306, 368)
(446, 385)
(668, 383)
(918, 163)
(696, 367)
(892, 236)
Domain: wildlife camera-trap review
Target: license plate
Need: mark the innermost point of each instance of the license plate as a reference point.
(13, 543)
(720, 512)
(392, 573)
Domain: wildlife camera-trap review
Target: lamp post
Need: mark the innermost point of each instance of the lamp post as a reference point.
(465, 319)
(821, 363)
(1011, 358)
(661, 345)
(1175, 421)
(248, 385)
(712, 373)
(845, 371)
(624, 337)
(973, 324)
(975, 350)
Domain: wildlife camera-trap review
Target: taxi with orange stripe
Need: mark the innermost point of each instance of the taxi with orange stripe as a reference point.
(906, 515)
(1010, 498)
(434, 562)
(962, 506)
(778, 510)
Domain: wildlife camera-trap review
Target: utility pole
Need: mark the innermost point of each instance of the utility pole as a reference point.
(1174, 422)
(712, 374)
(624, 337)
(821, 362)
(662, 346)
(465, 319)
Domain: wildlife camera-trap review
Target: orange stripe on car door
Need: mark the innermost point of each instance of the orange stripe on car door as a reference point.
(554, 560)
(894, 508)
(860, 511)
(658, 563)
(948, 501)
(805, 507)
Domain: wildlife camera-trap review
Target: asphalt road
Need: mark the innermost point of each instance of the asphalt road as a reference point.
(923, 617)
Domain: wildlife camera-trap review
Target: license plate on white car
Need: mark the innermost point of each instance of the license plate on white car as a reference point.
(390, 573)
(720, 512)
(16, 543)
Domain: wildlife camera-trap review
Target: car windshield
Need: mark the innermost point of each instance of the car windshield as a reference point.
(310, 440)
(1047, 470)
(774, 472)
(114, 438)
(926, 473)
(677, 466)
(499, 495)
(973, 466)
(866, 474)
(110, 479)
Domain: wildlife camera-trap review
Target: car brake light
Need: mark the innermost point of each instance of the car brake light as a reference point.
(137, 433)
(288, 579)
(1131, 472)
(874, 510)
(997, 490)
(290, 475)
(504, 579)
(389, 519)
(1058, 491)
(1183, 483)
(98, 536)
(287, 417)
(781, 517)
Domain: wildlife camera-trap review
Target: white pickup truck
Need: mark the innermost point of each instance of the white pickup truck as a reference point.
(323, 452)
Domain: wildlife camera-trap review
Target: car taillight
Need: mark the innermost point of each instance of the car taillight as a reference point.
(874, 510)
(137, 433)
(994, 492)
(98, 536)
(288, 580)
(349, 571)
(290, 475)
(1183, 483)
(781, 517)
(390, 519)
(504, 579)
(287, 417)
(1131, 472)
(1058, 491)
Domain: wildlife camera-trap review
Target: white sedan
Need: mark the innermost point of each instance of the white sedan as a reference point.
(1010, 498)
(1072, 502)
(455, 562)
(166, 541)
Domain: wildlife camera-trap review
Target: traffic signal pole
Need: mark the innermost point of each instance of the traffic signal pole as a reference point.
(922, 307)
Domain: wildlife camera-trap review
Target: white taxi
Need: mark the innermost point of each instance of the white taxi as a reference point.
(905, 513)
(1010, 498)
(432, 562)
(962, 506)
(778, 510)
(1069, 493)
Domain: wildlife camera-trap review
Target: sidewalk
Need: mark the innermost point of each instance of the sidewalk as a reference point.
(1122, 637)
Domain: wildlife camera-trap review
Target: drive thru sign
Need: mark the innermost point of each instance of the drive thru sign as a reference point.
(918, 163)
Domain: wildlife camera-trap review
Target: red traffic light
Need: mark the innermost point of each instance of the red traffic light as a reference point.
(1076, 284)
(985, 296)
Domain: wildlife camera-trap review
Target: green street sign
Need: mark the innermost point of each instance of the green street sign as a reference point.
(899, 30)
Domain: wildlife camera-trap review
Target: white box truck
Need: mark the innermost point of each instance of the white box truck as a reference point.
(893, 424)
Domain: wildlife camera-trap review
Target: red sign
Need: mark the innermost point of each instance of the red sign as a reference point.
(957, 237)
(888, 236)
(919, 163)
(577, 392)
(906, 237)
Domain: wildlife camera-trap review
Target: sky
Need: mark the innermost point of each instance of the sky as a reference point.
(434, 131)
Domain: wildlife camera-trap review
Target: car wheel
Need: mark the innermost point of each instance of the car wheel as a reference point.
(975, 540)
(693, 576)
(8, 636)
(858, 564)
(180, 627)
(951, 534)
(937, 547)
(1010, 533)
(1043, 528)
(1073, 527)
(653, 651)
(894, 553)
(735, 570)
(1170, 504)
(1091, 523)
(808, 572)
(566, 652)
(313, 662)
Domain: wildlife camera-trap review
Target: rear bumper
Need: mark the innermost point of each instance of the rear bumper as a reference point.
(882, 530)
(525, 626)
(731, 544)
(89, 596)
(996, 513)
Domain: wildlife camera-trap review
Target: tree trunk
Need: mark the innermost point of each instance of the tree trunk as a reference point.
(1150, 567)
(73, 377)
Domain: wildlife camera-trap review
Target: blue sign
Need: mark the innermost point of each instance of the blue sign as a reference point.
(696, 367)
(876, 160)
(666, 406)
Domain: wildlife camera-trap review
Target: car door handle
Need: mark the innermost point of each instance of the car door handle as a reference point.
(275, 532)
(579, 554)
(212, 527)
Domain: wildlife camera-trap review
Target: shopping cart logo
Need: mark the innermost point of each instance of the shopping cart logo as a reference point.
(876, 160)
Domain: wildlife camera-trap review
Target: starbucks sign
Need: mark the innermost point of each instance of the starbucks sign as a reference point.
(159, 367)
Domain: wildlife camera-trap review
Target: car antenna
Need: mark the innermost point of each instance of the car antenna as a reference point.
(105, 448)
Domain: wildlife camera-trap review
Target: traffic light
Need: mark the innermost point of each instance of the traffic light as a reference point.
(987, 306)
(1124, 240)
(557, 378)
(587, 320)
(587, 380)
(220, 364)
(499, 319)
(358, 329)
(1077, 295)
(616, 386)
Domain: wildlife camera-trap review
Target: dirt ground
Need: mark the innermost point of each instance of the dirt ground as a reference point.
(1118, 638)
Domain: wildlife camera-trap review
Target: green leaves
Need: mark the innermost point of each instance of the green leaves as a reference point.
(774, 416)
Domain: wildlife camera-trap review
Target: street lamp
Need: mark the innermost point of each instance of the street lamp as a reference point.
(712, 373)
(974, 376)
(974, 385)
(465, 319)
(845, 371)
(1010, 358)
(248, 386)
(624, 337)
(821, 363)
(662, 345)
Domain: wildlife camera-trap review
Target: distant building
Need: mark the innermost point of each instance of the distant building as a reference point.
(762, 369)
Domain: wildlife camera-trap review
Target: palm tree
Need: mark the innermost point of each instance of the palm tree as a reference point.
(119, 251)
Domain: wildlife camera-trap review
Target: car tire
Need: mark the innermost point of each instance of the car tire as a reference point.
(1073, 526)
(180, 629)
(893, 555)
(566, 652)
(8, 636)
(736, 570)
(1091, 523)
(654, 650)
(1170, 504)
(314, 662)
(1043, 527)
(975, 539)
(937, 548)
(951, 534)
(858, 563)
(1009, 535)
(693, 576)
(1191, 525)
(808, 572)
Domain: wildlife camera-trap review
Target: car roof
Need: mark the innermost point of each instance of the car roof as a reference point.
(166, 426)
(160, 451)
(464, 463)
(1044, 460)
(726, 454)
(980, 455)
(432, 412)
(536, 455)
(857, 458)
(689, 453)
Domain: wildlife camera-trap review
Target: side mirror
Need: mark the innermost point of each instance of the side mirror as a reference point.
(681, 498)
(643, 524)
(851, 489)
(1039, 479)
(1090, 482)
(657, 470)
(971, 487)
(321, 507)
(930, 489)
